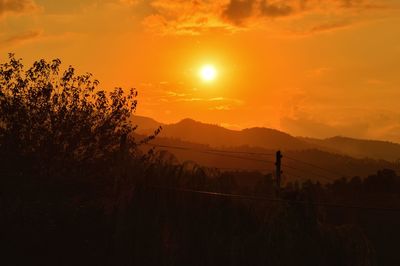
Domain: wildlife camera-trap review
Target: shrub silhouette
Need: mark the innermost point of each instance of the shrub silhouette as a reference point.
(63, 149)
(54, 117)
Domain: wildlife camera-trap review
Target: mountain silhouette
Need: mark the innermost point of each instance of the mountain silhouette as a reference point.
(193, 131)
(146, 125)
(217, 136)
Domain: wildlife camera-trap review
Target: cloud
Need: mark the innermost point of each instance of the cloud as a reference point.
(221, 108)
(327, 27)
(374, 81)
(317, 72)
(21, 38)
(35, 35)
(16, 6)
(237, 11)
(214, 103)
(279, 9)
(176, 94)
(129, 2)
(183, 17)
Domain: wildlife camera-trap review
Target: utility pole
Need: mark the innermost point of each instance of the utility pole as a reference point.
(278, 169)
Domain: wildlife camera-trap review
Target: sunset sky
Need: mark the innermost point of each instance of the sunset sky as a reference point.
(315, 68)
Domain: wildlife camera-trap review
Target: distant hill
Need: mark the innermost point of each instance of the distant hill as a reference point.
(217, 136)
(360, 148)
(192, 131)
(145, 125)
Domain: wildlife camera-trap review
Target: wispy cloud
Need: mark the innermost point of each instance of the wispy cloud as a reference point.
(221, 108)
(176, 94)
(34, 35)
(374, 81)
(21, 37)
(213, 103)
(324, 27)
(317, 72)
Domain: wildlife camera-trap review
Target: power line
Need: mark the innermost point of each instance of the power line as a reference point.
(315, 166)
(243, 152)
(227, 154)
(239, 157)
(294, 176)
(235, 169)
(210, 150)
(243, 169)
(213, 152)
(250, 197)
(308, 172)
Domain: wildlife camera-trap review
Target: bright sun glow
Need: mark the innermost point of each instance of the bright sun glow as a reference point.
(208, 73)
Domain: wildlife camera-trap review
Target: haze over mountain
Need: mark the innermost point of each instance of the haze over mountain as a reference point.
(216, 136)
(360, 148)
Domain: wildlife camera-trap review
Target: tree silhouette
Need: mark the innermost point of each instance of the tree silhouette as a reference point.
(54, 117)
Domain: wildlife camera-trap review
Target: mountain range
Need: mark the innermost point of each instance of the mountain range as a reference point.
(266, 138)
(252, 151)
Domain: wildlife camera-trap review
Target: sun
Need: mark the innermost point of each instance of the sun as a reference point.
(208, 73)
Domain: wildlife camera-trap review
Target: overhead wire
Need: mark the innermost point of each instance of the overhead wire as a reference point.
(225, 153)
(215, 152)
(242, 169)
(302, 178)
(259, 198)
(309, 172)
(315, 166)
(210, 150)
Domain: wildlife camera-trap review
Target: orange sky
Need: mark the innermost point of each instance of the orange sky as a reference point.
(309, 67)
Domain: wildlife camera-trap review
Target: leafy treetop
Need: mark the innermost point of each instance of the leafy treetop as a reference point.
(60, 116)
